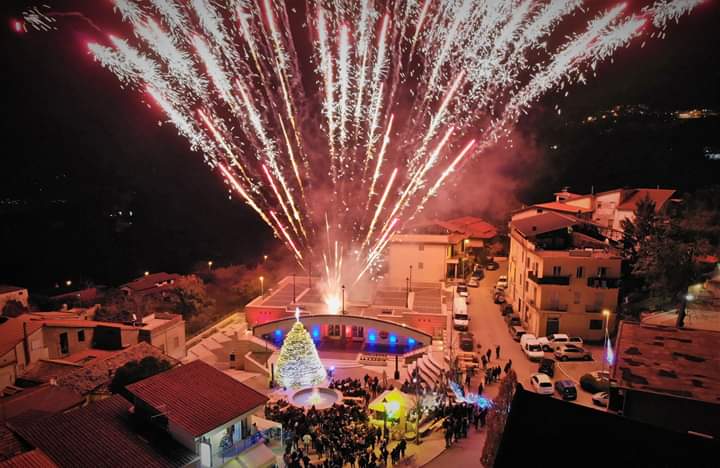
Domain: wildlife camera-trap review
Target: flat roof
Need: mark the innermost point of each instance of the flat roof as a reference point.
(544, 222)
(197, 397)
(673, 361)
(6, 288)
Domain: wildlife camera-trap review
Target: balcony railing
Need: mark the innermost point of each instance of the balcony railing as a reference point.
(603, 282)
(550, 280)
(557, 307)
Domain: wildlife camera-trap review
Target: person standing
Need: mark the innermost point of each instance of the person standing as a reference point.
(480, 389)
(497, 352)
(488, 355)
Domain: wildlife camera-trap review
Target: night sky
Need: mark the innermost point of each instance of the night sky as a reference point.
(77, 149)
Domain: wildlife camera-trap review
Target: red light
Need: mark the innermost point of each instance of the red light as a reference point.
(18, 26)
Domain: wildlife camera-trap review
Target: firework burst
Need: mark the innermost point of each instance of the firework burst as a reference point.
(337, 121)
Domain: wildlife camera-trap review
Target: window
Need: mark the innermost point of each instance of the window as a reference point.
(599, 205)
(357, 332)
(81, 335)
(176, 342)
(596, 324)
(602, 271)
(421, 247)
(557, 270)
(334, 330)
(421, 265)
(579, 272)
(64, 344)
(577, 298)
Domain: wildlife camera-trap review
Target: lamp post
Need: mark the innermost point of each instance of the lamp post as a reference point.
(262, 286)
(343, 299)
(293, 288)
(385, 416)
(410, 280)
(418, 408)
(210, 263)
(407, 293)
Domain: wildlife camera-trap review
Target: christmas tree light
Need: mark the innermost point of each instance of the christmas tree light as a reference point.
(299, 364)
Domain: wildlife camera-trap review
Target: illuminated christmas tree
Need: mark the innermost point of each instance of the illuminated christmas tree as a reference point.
(299, 364)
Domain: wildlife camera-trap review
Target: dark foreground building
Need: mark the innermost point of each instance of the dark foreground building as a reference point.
(544, 431)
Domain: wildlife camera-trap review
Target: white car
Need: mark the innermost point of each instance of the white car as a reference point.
(532, 349)
(542, 384)
(601, 399)
(473, 282)
(502, 282)
(551, 342)
(526, 337)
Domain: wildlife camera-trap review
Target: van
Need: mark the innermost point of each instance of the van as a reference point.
(461, 320)
(516, 332)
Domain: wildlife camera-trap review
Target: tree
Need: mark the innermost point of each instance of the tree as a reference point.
(497, 417)
(134, 371)
(13, 308)
(299, 364)
(188, 296)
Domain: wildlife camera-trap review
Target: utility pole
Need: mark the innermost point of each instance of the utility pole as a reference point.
(407, 293)
(410, 284)
(343, 299)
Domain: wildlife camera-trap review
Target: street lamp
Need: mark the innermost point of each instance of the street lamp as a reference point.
(265, 258)
(343, 299)
(293, 288)
(606, 314)
(147, 273)
(407, 293)
(385, 416)
(68, 283)
(262, 286)
(210, 263)
(410, 283)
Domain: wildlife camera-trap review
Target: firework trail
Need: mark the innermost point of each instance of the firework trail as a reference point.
(336, 121)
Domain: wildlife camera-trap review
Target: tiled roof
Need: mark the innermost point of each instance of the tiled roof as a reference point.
(11, 333)
(32, 459)
(473, 227)
(149, 282)
(197, 397)
(632, 197)
(100, 435)
(564, 207)
(674, 361)
(45, 398)
(543, 222)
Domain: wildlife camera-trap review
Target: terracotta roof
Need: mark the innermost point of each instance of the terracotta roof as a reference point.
(49, 399)
(563, 207)
(46, 369)
(32, 459)
(632, 197)
(473, 227)
(10, 444)
(543, 222)
(149, 282)
(674, 361)
(11, 333)
(6, 288)
(197, 397)
(99, 371)
(101, 434)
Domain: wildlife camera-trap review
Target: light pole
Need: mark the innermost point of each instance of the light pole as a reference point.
(418, 408)
(210, 263)
(293, 288)
(265, 257)
(407, 293)
(343, 299)
(410, 283)
(262, 286)
(385, 416)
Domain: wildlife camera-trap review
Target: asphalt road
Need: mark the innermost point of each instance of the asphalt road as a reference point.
(489, 329)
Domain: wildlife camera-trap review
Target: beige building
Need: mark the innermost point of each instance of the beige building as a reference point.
(607, 210)
(562, 275)
(424, 258)
(21, 343)
(13, 293)
(165, 331)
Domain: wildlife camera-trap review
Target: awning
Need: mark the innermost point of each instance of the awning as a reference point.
(260, 456)
(263, 424)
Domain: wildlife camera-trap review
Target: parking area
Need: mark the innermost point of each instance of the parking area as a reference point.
(490, 330)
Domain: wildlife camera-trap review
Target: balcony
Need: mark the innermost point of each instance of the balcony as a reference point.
(557, 307)
(603, 282)
(550, 280)
(593, 308)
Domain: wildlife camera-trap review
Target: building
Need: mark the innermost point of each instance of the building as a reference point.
(667, 377)
(562, 275)
(105, 433)
(424, 258)
(13, 293)
(593, 438)
(607, 209)
(165, 331)
(200, 407)
(150, 284)
(21, 344)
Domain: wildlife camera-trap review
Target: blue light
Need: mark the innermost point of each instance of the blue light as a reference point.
(371, 337)
(278, 333)
(316, 333)
(393, 339)
(411, 341)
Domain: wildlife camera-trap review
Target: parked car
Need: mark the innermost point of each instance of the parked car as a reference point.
(502, 282)
(462, 290)
(467, 342)
(566, 389)
(473, 282)
(541, 383)
(492, 265)
(527, 337)
(596, 381)
(512, 320)
(568, 352)
(547, 366)
(506, 309)
(475, 278)
(532, 349)
(499, 297)
(550, 342)
(576, 340)
(601, 399)
(516, 332)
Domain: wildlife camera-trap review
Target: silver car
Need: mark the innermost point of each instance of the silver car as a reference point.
(569, 352)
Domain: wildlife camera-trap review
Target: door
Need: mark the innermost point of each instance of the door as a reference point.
(64, 345)
(552, 326)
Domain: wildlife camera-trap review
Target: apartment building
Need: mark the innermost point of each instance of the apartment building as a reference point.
(425, 258)
(562, 275)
